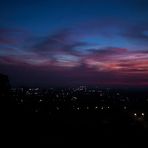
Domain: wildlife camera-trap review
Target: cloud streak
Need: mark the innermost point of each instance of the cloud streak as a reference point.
(65, 58)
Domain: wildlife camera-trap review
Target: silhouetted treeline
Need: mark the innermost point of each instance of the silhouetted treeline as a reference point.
(4, 84)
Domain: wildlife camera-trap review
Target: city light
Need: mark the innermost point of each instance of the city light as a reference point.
(78, 108)
(57, 108)
(125, 107)
(87, 107)
(40, 100)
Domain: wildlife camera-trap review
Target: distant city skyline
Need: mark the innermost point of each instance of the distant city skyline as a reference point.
(68, 43)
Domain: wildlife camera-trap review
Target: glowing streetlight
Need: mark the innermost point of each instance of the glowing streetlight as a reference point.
(142, 114)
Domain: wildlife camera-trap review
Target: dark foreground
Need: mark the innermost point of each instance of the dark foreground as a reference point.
(104, 124)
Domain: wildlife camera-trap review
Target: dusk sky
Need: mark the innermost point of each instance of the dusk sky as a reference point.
(74, 42)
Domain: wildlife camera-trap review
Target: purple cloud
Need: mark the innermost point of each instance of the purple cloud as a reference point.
(12, 37)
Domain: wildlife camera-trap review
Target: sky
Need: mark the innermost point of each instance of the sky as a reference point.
(74, 42)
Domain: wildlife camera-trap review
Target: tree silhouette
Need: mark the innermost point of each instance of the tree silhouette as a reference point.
(4, 84)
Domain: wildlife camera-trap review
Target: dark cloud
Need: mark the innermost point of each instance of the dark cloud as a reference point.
(108, 51)
(137, 32)
(115, 28)
(61, 41)
(143, 51)
(12, 37)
